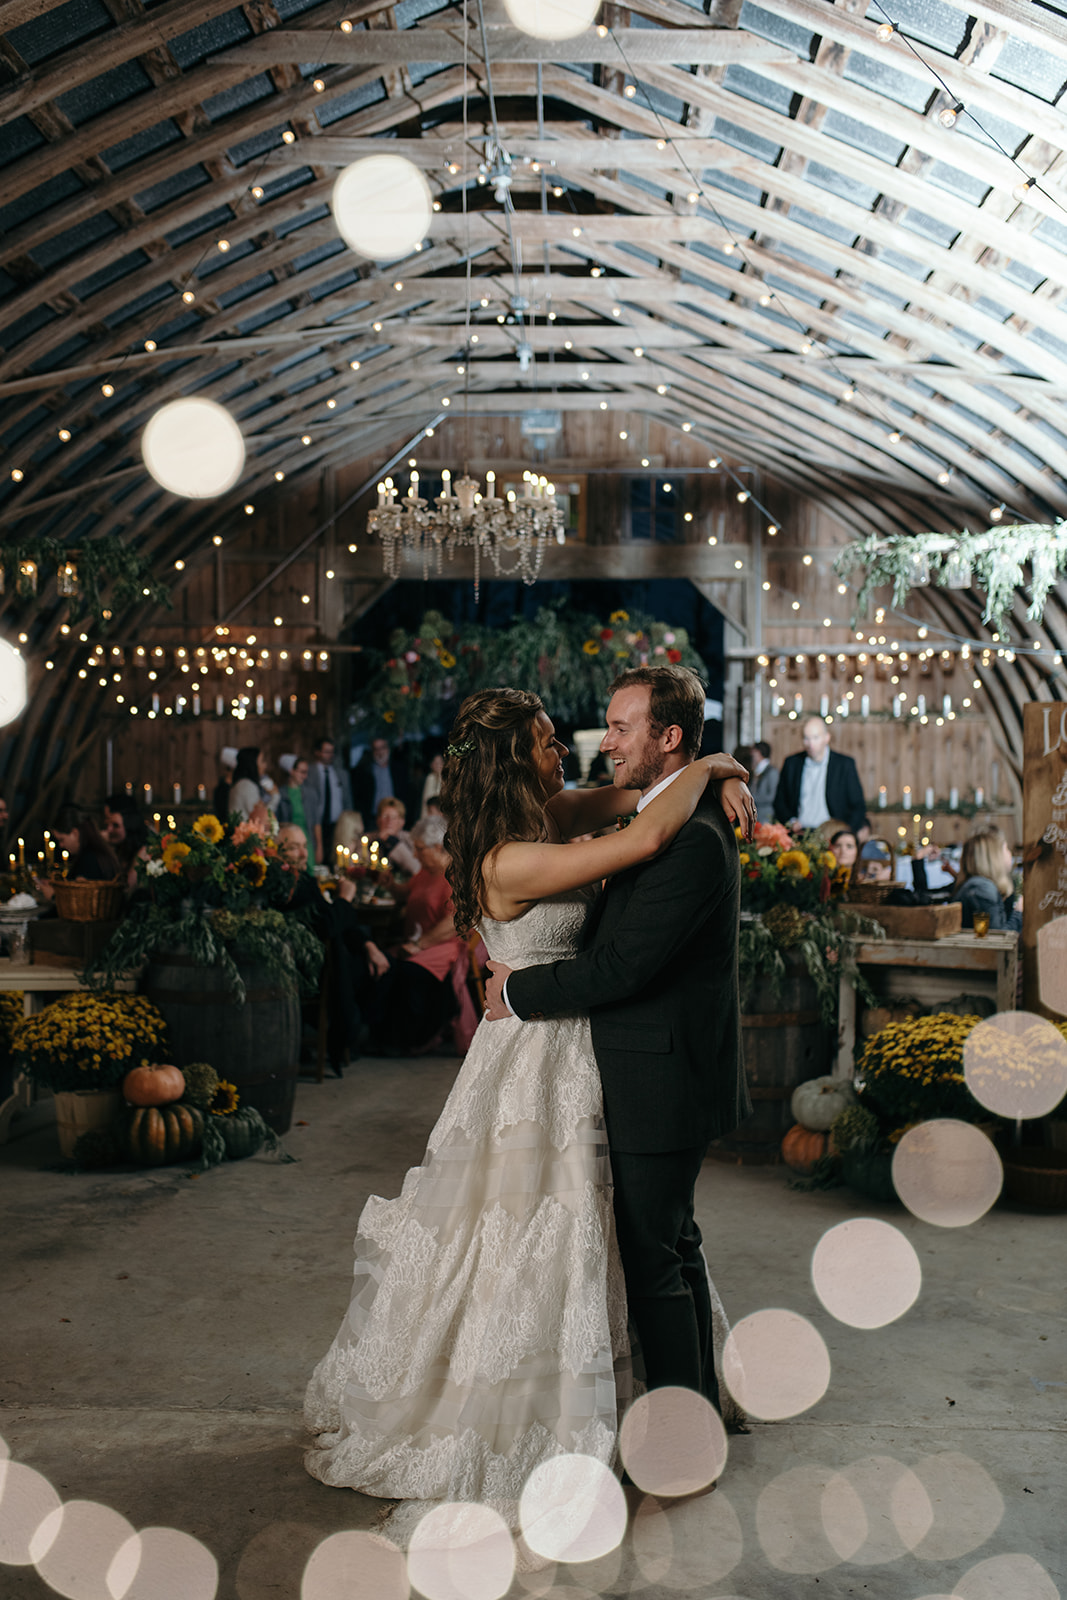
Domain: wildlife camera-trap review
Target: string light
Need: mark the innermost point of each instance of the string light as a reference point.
(947, 116)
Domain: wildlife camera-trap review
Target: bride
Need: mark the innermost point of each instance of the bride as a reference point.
(487, 1326)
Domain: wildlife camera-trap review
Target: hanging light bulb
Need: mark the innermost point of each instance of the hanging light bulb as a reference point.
(948, 114)
(884, 32)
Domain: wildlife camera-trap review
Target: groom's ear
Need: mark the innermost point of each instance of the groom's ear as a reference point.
(673, 738)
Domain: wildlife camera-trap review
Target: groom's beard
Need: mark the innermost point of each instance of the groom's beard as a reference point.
(642, 770)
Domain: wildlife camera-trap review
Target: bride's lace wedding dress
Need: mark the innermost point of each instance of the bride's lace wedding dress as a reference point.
(487, 1326)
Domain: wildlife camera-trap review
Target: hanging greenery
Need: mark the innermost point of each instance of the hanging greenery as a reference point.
(568, 657)
(96, 577)
(994, 561)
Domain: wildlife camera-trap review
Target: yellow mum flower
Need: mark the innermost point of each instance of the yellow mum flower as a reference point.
(828, 860)
(591, 647)
(744, 858)
(794, 863)
(447, 660)
(209, 828)
(619, 616)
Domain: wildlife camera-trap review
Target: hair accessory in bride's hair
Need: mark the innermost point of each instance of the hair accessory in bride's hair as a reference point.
(458, 751)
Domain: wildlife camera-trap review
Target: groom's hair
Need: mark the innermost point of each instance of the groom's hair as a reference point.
(676, 699)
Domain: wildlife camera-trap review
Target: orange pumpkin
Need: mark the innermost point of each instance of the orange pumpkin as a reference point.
(801, 1149)
(153, 1086)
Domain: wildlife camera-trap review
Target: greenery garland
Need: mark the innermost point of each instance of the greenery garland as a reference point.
(100, 562)
(282, 944)
(993, 561)
(569, 657)
(825, 944)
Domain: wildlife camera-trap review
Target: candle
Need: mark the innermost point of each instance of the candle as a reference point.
(277, 705)
(898, 705)
(446, 485)
(259, 705)
(40, 858)
(929, 799)
(22, 852)
(148, 794)
(155, 702)
(824, 705)
(363, 848)
(954, 799)
(490, 485)
(865, 705)
(201, 792)
(65, 859)
(384, 863)
(49, 845)
(129, 789)
(798, 703)
(220, 705)
(292, 705)
(979, 799)
(907, 797)
(196, 705)
(314, 704)
(883, 798)
(946, 705)
(11, 861)
(920, 701)
(996, 775)
(176, 794)
(381, 496)
(843, 708)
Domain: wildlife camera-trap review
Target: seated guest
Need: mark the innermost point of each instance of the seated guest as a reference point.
(220, 798)
(89, 856)
(355, 960)
(845, 847)
(297, 803)
(393, 840)
(426, 986)
(433, 807)
(985, 880)
(126, 832)
(876, 865)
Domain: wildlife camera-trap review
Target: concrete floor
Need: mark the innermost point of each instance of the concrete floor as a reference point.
(157, 1332)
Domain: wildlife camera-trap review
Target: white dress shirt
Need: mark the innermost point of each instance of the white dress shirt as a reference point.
(813, 809)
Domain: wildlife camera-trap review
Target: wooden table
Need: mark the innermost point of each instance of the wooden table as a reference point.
(38, 984)
(929, 970)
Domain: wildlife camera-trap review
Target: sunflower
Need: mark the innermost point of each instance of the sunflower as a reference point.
(225, 1100)
(794, 863)
(828, 860)
(591, 647)
(174, 854)
(209, 828)
(447, 660)
(619, 616)
(254, 868)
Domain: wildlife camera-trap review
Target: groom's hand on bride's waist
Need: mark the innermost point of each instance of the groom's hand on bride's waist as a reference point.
(496, 1006)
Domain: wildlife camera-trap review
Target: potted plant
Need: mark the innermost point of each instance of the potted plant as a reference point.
(224, 956)
(910, 1072)
(81, 1048)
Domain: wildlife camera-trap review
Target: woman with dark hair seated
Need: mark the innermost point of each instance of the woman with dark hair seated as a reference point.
(89, 856)
(845, 846)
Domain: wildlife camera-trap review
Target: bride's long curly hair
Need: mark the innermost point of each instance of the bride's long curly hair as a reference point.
(490, 789)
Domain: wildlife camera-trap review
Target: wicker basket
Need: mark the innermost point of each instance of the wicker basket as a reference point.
(93, 901)
(870, 894)
(1035, 1177)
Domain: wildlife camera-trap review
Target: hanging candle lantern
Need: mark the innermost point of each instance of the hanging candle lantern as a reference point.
(918, 568)
(27, 578)
(67, 578)
(957, 570)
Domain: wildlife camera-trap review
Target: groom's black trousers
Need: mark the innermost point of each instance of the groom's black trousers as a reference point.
(666, 1275)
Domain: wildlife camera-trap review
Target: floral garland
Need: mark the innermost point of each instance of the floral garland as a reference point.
(569, 657)
(993, 561)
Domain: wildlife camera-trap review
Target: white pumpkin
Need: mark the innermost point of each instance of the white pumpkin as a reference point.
(816, 1103)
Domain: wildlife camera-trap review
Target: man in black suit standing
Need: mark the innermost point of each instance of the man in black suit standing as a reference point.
(817, 783)
(658, 977)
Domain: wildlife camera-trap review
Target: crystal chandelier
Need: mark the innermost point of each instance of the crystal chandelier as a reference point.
(512, 532)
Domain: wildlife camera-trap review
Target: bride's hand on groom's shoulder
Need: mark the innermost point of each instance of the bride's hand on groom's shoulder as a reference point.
(736, 799)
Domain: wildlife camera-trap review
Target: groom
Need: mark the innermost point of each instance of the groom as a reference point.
(658, 977)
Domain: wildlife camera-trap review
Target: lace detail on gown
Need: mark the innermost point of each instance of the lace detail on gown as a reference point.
(487, 1326)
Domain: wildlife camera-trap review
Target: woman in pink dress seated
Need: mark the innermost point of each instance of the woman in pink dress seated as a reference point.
(425, 987)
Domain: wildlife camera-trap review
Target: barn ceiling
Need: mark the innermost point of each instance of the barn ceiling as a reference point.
(752, 224)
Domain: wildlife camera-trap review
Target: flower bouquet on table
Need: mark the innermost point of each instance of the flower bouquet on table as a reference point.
(791, 893)
(221, 893)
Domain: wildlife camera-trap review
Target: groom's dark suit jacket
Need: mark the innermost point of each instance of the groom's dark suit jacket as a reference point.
(658, 976)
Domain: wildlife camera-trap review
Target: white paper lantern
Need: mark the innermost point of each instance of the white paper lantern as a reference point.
(12, 683)
(193, 447)
(382, 206)
(552, 19)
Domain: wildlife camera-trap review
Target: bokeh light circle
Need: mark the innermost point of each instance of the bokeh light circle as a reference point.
(74, 1548)
(461, 1552)
(194, 448)
(572, 1509)
(865, 1272)
(1052, 965)
(967, 1505)
(163, 1564)
(947, 1172)
(686, 1545)
(1015, 1064)
(355, 1566)
(12, 683)
(789, 1521)
(775, 1364)
(875, 1510)
(1019, 1577)
(552, 19)
(27, 1500)
(382, 207)
(672, 1442)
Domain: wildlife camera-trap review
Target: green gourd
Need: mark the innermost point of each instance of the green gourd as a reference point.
(244, 1133)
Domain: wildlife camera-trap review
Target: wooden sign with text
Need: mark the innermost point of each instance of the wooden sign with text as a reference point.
(1043, 946)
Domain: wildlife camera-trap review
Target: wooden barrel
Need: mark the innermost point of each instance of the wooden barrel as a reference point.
(785, 1043)
(255, 1046)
